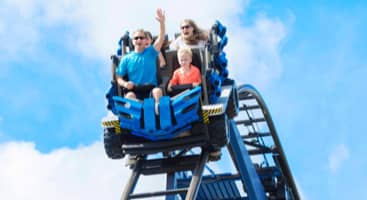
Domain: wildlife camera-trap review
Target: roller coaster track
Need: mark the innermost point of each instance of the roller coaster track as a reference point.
(261, 139)
(256, 153)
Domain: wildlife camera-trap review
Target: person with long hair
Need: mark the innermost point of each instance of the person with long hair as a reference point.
(191, 36)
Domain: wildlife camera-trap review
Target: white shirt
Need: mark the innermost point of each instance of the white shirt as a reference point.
(179, 42)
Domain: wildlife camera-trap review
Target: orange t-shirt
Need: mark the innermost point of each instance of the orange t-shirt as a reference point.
(179, 77)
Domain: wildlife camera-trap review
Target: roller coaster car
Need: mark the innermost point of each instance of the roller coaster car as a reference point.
(134, 128)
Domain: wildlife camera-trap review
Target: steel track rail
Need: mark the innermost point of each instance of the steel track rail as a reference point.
(248, 92)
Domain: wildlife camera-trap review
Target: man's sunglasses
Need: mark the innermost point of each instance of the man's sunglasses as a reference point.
(139, 37)
(186, 26)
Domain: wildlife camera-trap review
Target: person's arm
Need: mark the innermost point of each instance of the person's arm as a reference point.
(120, 72)
(162, 61)
(126, 84)
(173, 81)
(162, 29)
(169, 87)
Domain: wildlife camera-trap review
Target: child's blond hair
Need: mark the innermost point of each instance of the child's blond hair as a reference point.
(184, 50)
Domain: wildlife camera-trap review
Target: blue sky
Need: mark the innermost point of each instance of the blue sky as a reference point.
(307, 59)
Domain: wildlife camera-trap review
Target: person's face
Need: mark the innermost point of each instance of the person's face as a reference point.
(148, 41)
(184, 59)
(186, 30)
(139, 40)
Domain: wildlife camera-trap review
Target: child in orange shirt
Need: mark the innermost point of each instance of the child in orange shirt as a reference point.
(186, 73)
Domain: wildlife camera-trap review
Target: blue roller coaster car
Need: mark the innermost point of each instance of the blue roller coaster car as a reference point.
(133, 127)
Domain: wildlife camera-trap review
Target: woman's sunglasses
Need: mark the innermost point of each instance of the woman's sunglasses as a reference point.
(185, 27)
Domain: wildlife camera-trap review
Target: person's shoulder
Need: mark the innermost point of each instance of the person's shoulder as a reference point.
(202, 42)
(177, 70)
(129, 55)
(195, 68)
(179, 40)
(150, 48)
(175, 44)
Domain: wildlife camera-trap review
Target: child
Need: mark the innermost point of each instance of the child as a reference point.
(186, 73)
(189, 74)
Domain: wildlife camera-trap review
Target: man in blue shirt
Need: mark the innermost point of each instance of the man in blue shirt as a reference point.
(140, 65)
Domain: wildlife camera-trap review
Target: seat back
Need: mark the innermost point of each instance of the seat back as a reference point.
(172, 60)
(198, 59)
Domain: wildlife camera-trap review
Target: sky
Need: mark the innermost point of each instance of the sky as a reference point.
(306, 58)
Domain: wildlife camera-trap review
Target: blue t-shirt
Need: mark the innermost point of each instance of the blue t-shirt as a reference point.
(140, 67)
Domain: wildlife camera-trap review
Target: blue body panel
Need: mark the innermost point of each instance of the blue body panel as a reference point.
(165, 112)
(149, 115)
(129, 112)
(175, 115)
(185, 107)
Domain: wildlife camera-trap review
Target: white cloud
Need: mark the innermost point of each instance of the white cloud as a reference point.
(337, 157)
(2, 134)
(95, 26)
(255, 50)
(101, 23)
(84, 173)
(73, 174)
(18, 28)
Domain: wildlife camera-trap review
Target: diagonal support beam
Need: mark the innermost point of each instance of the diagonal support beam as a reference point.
(197, 175)
(129, 188)
(245, 167)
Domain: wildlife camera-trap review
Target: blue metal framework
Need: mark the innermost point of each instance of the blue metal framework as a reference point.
(220, 115)
(262, 171)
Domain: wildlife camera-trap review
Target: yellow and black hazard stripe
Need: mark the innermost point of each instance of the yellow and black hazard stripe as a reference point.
(205, 114)
(215, 111)
(112, 124)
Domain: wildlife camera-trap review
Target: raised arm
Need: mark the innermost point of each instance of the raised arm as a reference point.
(162, 29)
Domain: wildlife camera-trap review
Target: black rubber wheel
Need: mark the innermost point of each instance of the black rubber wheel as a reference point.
(112, 144)
(232, 105)
(218, 131)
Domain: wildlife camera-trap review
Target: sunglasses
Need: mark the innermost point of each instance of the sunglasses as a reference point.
(185, 27)
(139, 37)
